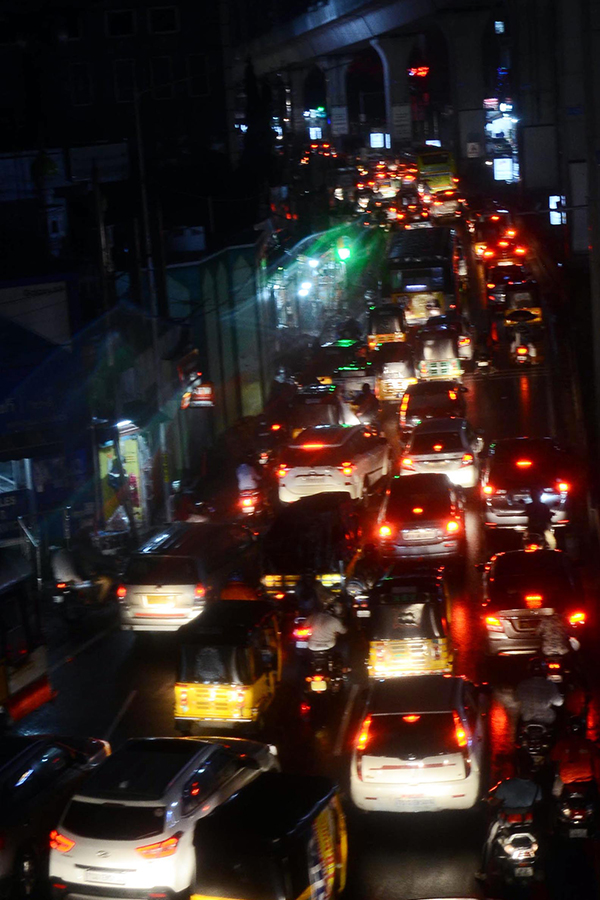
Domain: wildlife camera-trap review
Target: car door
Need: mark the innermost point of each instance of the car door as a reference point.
(473, 711)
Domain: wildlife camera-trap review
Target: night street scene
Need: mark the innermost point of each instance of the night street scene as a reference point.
(299, 442)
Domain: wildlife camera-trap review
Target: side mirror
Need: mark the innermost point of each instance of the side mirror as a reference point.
(97, 751)
(249, 762)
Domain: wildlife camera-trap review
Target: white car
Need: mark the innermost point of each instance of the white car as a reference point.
(420, 746)
(332, 458)
(129, 829)
(448, 446)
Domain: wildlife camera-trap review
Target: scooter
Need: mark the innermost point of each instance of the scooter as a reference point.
(534, 739)
(251, 503)
(577, 810)
(73, 593)
(515, 854)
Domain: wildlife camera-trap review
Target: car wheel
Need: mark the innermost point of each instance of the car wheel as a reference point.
(27, 874)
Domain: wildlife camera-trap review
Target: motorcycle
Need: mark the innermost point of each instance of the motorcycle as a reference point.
(577, 810)
(533, 541)
(516, 851)
(483, 362)
(74, 593)
(359, 595)
(534, 740)
(251, 503)
(326, 673)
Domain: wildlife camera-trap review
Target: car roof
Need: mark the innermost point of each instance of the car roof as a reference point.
(432, 387)
(435, 426)
(183, 539)
(520, 444)
(316, 390)
(421, 483)
(225, 622)
(143, 769)
(423, 579)
(330, 435)
(522, 558)
(415, 693)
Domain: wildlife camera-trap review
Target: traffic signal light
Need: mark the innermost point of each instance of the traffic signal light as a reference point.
(343, 249)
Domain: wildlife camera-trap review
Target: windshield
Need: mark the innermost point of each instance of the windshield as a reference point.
(442, 158)
(431, 734)
(394, 620)
(385, 323)
(214, 665)
(446, 442)
(113, 821)
(161, 570)
(442, 347)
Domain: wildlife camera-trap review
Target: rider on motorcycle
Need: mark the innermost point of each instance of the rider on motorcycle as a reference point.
(512, 795)
(538, 697)
(576, 758)
(367, 567)
(325, 625)
(247, 476)
(539, 519)
(366, 405)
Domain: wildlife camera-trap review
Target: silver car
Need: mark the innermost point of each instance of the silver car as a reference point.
(448, 446)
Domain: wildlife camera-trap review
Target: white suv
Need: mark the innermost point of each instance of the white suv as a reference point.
(130, 827)
(344, 458)
(420, 746)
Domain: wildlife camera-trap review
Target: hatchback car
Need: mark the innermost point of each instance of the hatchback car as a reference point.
(517, 468)
(421, 516)
(351, 459)
(431, 400)
(38, 773)
(448, 446)
(420, 746)
(522, 586)
(169, 579)
(129, 830)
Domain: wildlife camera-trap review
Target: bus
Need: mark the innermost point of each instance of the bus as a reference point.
(24, 682)
(421, 272)
(437, 169)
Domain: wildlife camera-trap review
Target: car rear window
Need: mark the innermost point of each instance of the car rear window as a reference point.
(416, 735)
(312, 456)
(432, 401)
(213, 665)
(401, 505)
(515, 581)
(161, 570)
(447, 442)
(385, 323)
(113, 821)
(391, 620)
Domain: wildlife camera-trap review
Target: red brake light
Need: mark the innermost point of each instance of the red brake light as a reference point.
(491, 284)
(302, 632)
(410, 719)
(461, 734)
(275, 426)
(62, 585)
(417, 510)
(400, 215)
(488, 489)
(453, 395)
(522, 350)
(531, 548)
(520, 251)
(563, 486)
(438, 447)
(534, 601)
(467, 459)
(523, 464)
(493, 623)
(60, 842)
(488, 254)
(407, 463)
(347, 468)
(121, 592)
(405, 402)
(246, 502)
(452, 526)
(385, 531)
(510, 232)
(282, 471)
(577, 618)
(503, 243)
(363, 735)
(464, 341)
(161, 848)
(200, 591)
(312, 446)
(494, 218)
(554, 665)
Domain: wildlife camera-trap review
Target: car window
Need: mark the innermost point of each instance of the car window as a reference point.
(209, 777)
(161, 570)
(39, 774)
(444, 442)
(404, 736)
(113, 821)
(471, 707)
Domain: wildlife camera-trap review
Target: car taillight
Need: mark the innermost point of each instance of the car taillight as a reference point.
(302, 633)
(520, 251)
(531, 548)
(534, 601)
(404, 404)
(459, 730)
(522, 350)
(491, 284)
(407, 463)
(577, 618)
(60, 842)
(417, 510)
(275, 426)
(182, 693)
(554, 665)
(467, 459)
(503, 243)
(400, 215)
(347, 468)
(410, 719)
(363, 734)
(452, 526)
(161, 848)
(493, 623)
(488, 489)
(246, 502)
(564, 487)
(199, 592)
(488, 254)
(523, 464)
(121, 592)
(282, 471)
(61, 585)
(385, 531)
(464, 341)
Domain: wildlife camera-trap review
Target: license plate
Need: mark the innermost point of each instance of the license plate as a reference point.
(524, 872)
(415, 804)
(363, 613)
(104, 877)
(419, 534)
(301, 645)
(318, 686)
(556, 678)
(522, 297)
(314, 479)
(159, 600)
(578, 832)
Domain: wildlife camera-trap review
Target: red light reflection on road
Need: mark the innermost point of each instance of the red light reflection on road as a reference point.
(524, 390)
(465, 637)
(501, 735)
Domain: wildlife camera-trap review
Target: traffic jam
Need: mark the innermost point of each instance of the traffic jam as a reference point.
(373, 673)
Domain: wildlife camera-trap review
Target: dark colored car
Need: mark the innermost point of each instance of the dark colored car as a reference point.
(520, 587)
(516, 469)
(38, 774)
(422, 516)
(499, 278)
(431, 400)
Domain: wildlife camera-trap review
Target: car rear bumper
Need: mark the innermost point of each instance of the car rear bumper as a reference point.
(498, 644)
(72, 891)
(494, 518)
(132, 621)
(288, 496)
(435, 550)
(466, 476)
(434, 797)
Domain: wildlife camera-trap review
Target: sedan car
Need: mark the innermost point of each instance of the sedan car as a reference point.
(520, 587)
(431, 400)
(517, 468)
(129, 830)
(499, 278)
(38, 773)
(421, 516)
(332, 458)
(448, 446)
(420, 746)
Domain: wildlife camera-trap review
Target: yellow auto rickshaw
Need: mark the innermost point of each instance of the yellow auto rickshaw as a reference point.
(408, 626)
(282, 837)
(230, 661)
